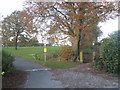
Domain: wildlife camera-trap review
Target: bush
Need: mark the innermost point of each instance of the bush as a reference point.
(7, 62)
(109, 52)
(52, 55)
(37, 57)
(97, 64)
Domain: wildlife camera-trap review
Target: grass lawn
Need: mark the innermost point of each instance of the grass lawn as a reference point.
(31, 52)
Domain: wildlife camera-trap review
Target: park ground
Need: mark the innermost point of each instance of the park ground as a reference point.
(36, 54)
(61, 74)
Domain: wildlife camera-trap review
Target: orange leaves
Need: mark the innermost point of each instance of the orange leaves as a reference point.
(71, 17)
(66, 53)
(27, 21)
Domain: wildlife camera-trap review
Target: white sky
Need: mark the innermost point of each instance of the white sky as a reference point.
(8, 6)
(109, 26)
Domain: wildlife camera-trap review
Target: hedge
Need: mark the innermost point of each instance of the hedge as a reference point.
(110, 54)
(7, 62)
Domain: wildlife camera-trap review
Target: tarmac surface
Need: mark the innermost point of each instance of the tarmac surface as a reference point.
(81, 76)
(38, 76)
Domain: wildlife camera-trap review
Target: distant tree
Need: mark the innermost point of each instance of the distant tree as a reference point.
(52, 40)
(33, 42)
(15, 24)
(41, 44)
(9, 43)
(23, 40)
(6, 33)
(12, 24)
(90, 36)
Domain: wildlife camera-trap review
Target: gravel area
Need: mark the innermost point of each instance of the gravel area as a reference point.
(85, 76)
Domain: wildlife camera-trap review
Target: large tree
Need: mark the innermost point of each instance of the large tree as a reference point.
(72, 18)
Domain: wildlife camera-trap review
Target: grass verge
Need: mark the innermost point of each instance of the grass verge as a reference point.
(52, 52)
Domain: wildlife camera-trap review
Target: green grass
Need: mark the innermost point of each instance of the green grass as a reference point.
(52, 54)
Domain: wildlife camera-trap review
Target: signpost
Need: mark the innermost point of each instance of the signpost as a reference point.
(45, 49)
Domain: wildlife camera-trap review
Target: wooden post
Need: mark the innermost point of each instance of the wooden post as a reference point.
(93, 56)
(45, 56)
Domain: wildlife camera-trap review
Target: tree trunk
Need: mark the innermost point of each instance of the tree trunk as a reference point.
(77, 54)
(74, 43)
(16, 42)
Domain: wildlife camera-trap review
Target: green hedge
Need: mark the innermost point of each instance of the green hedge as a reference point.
(109, 53)
(96, 63)
(7, 62)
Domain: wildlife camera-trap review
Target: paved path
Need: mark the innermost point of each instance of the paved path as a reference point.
(38, 76)
(77, 77)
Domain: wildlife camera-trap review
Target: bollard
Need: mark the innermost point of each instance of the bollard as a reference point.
(81, 56)
(45, 50)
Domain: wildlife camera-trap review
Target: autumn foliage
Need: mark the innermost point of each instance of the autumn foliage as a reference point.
(72, 18)
(66, 53)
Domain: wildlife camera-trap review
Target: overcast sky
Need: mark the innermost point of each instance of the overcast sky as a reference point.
(8, 6)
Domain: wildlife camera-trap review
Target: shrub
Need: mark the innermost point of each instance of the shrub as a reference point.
(109, 52)
(52, 55)
(96, 63)
(37, 57)
(7, 62)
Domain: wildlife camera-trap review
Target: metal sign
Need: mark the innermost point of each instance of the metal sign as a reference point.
(45, 49)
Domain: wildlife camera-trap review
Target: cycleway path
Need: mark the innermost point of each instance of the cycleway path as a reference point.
(38, 76)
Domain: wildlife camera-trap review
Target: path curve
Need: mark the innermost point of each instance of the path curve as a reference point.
(38, 76)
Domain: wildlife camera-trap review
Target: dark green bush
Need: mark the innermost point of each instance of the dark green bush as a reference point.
(96, 63)
(109, 52)
(7, 62)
